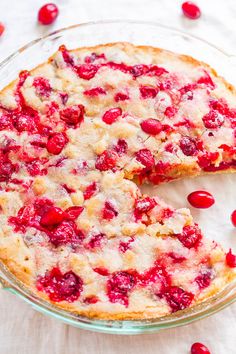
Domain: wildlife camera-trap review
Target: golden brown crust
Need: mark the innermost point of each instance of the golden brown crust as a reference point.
(126, 47)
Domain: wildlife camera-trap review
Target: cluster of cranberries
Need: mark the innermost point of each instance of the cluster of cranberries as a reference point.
(59, 286)
(121, 283)
(59, 225)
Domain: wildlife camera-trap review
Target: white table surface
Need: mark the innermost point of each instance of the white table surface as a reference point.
(24, 331)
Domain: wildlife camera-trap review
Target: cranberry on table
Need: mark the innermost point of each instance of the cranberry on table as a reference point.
(201, 199)
(199, 348)
(2, 28)
(233, 218)
(191, 10)
(230, 259)
(47, 14)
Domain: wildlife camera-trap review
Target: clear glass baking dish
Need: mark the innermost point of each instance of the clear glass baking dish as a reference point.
(141, 33)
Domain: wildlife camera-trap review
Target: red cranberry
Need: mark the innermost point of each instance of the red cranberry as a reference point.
(124, 246)
(148, 92)
(166, 213)
(201, 199)
(72, 213)
(213, 120)
(187, 91)
(87, 71)
(233, 218)
(47, 14)
(139, 69)
(206, 159)
(94, 92)
(42, 205)
(60, 287)
(106, 161)
(66, 233)
(146, 158)
(91, 300)
(90, 190)
(94, 56)
(206, 80)
(155, 70)
(68, 59)
(204, 279)
(166, 85)
(188, 146)
(73, 115)
(119, 286)
(191, 10)
(101, 271)
(52, 108)
(53, 216)
(64, 97)
(42, 86)
(34, 168)
(5, 122)
(96, 241)
(56, 143)
(7, 168)
(2, 28)
(120, 96)
(144, 205)
(151, 126)
(109, 212)
(112, 115)
(170, 111)
(222, 107)
(190, 236)
(176, 258)
(177, 298)
(119, 66)
(23, 218)
(156, 274)
(231, 259)
(68, 189)
(26, 122)
(121, 147)
(199, 348)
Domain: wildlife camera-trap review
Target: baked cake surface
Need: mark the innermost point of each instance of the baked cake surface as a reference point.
(78, 134)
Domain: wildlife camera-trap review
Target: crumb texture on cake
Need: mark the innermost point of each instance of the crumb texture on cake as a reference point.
(78, 135)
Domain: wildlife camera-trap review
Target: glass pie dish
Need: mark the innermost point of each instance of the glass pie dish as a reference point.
(91, 34)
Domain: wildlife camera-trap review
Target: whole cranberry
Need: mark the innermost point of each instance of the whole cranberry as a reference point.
(52, 216)
(201, 199)
(151, 126)
(56, 143)
(233, 218)
(111, 116)
(199, 348)
(230, 259)
(2, 28)
(191, 10)
(47, 14)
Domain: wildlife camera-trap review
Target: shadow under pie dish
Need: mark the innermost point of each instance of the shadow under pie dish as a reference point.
(78, 135)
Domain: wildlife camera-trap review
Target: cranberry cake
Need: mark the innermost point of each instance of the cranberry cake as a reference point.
(78, 135)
